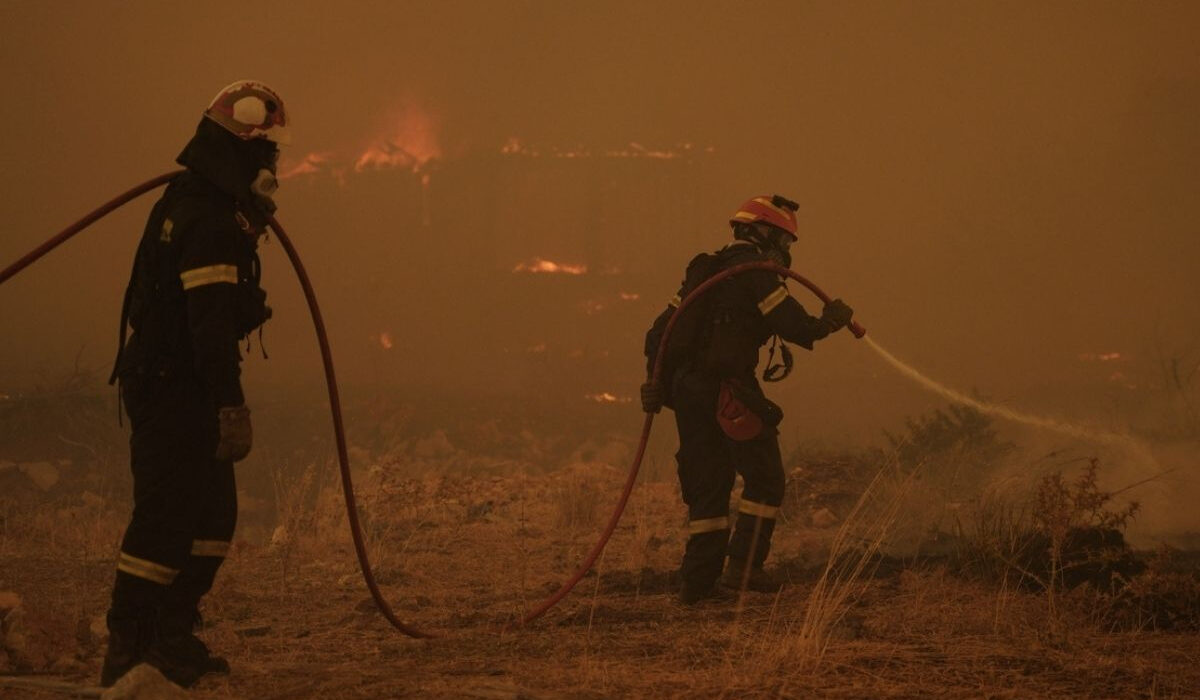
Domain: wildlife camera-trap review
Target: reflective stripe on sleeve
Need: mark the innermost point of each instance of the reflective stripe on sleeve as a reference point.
(148, 570)
(772, 300)
(212, 274)
(762, 510)
(209, 548)
(698, 527)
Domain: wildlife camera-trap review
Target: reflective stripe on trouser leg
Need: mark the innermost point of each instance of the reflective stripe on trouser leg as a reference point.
(146, 569)
(751, 540)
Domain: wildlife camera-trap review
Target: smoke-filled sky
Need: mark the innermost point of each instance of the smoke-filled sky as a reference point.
(1004, 191)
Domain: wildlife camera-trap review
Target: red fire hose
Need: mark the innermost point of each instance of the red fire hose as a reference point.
(336, 407)
(83, 223)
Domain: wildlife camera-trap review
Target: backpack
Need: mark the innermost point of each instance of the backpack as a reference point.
(693, 325)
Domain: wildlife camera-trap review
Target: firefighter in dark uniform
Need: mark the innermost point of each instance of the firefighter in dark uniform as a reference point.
(193, 295)
(726, 425)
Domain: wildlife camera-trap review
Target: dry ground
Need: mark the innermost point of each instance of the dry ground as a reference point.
(464, 555)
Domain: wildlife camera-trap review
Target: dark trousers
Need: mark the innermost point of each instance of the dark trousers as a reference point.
(708, 461)
(185, 502)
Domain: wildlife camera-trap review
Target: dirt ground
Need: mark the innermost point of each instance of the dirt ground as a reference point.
(463, 556)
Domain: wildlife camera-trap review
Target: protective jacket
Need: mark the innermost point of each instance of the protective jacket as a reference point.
(195, 287)
(743, 312)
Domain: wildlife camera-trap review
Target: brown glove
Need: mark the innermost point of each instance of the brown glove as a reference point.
(652, 397)
(837, 314)
(236, 433)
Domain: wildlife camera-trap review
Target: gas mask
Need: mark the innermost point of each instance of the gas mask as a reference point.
(778, 254)
(774, 245)
(263, 188)
(264, 155)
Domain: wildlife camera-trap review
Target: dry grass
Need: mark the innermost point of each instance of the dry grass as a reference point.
(466, 555)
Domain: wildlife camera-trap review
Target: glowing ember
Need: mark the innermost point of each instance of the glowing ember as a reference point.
(515, 147)
(630, 296)
(605, 397)
(540, 266)
(385, 340)
(1101, 356)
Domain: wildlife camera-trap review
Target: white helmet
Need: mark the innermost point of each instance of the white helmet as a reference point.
(250, 110)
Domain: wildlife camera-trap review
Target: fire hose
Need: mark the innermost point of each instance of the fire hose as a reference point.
(310, 297)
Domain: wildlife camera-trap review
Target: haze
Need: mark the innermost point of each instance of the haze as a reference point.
(1005, 192)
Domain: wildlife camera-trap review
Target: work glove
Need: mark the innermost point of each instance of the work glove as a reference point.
(236, 434)
(652, 397)
(837, 314)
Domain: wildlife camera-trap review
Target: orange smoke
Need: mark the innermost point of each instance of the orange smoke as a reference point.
(311, 163)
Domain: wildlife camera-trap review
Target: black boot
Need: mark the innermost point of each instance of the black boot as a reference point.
(738, 576)
(691, 594)
(127, 641)
(177, 658)
(182, 648)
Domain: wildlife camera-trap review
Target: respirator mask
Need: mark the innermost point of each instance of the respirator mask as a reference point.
(265, 184)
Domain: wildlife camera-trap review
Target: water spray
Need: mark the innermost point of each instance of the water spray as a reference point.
(1125, 442)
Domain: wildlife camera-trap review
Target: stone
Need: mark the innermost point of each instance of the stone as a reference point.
(98, 629)
(44, 475)
(824, 518)
(144, 682)
(8, 601)
(67, 663)
(280, 537)
(12, 632)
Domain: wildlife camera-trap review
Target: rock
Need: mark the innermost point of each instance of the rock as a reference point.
(8, 601)
(280, 537)
(67, 663)
(824, 518)
(12, 631)
(144, 682)
(44, 475)
(98, 629)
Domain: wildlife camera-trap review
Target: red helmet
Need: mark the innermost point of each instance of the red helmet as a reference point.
(250, 110)
(777, 211)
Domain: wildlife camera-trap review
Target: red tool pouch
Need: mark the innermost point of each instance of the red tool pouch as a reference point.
(735, 418)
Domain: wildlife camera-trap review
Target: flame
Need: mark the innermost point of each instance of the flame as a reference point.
(385, 340)
(311, 163)
(541, 265)
(606, 397)
(410, 142)
(1101, 356)
(515, 147)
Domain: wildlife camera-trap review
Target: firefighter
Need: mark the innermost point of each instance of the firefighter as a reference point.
(193, 294)
(726, 424)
